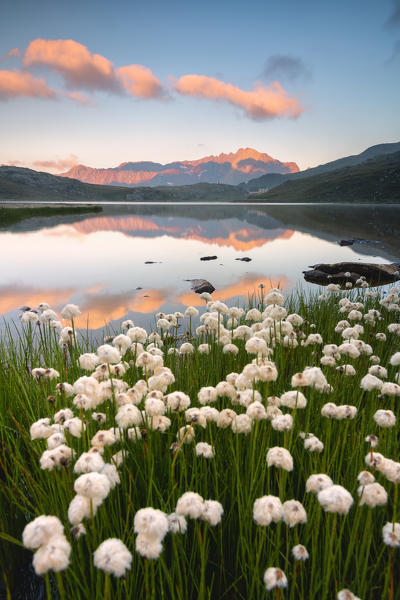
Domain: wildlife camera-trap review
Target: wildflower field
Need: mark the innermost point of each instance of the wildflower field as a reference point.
(253, 455)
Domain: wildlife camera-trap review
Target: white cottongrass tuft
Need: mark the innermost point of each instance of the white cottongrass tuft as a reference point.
(40, 530)
(112, 556)
(391, 534)
(274, 578)
(280, 458)
(335, 499)
(294, 513)
(300, 552)
(267, 509)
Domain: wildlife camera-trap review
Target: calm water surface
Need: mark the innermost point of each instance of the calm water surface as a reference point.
(98, 260)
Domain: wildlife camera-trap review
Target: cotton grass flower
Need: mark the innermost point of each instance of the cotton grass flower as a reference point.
(293, 399)
(177, 401)
(88, 361)
(317, 483)
(346, 594)
(294, 513)
(391, 534)
(207, 394)
(89, 462)
(54, 555)
(190, 504)
(70, 311)
(300, 552)
(370, 382)
(241, 424)
(274, 578)
(267, 509)
(39, 531)
(282, 422)
(385, 418)
(335, 499)
(372, 494)
(151, 522)
(113, 557)
(205, 450)
(186, 349)
(92, 485)
(395, 359)
(212, 512)
(313, 444)
(280, 458)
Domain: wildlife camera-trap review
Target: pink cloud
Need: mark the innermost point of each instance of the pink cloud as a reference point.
(20, 83)
(259, 104)
(79, 97)
(83, 70)
(61, 164)
(13, 52)
(139, 81)
(74, 62)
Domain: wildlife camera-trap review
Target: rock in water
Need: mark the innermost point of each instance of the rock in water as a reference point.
(342, 273)
(244, 259)
(201, 285)
(208, 257)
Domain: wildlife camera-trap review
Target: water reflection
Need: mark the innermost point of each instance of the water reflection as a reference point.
(98, 262)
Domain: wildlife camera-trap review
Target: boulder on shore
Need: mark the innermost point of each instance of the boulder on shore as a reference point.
(344, 272)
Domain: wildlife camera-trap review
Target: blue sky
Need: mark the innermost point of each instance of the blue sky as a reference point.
(338, 61)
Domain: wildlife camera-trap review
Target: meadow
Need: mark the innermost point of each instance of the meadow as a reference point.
(240, 453)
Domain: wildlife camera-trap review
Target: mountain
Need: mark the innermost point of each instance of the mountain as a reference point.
(17, 183)
(230, 169)
(375, 180)
(267, 182)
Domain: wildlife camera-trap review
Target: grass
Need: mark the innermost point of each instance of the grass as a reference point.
(216, 562)
(11, 216)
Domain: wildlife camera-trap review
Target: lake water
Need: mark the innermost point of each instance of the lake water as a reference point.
(98, 260)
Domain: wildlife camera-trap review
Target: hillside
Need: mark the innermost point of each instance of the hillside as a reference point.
(26, 185)
(229, 169)
(376, 180)
(269, 181)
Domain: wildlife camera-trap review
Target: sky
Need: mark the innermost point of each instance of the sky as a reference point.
(100, 83)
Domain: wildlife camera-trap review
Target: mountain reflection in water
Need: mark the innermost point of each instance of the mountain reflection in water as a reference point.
(98, 262)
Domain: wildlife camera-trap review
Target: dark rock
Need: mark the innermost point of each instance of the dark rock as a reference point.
(244, 259)
(352, 241)
(139, 288)
(201, 285)
(152, 262)
(341, 273)
(208, 257)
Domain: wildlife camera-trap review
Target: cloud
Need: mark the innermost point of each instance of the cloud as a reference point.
(139, 81)
(74, 62)
(21, 83)
(394, 18)
(13, 52)
(259, 104)
(81, 69)
(284, 66)
(395, 53)
(60, 165)
(79, 98)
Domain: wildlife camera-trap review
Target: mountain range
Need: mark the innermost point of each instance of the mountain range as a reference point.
(371, 176)
(231, 169)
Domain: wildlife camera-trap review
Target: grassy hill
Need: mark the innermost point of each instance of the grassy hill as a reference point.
(32, 186)
(376, 180)
(272, 180)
